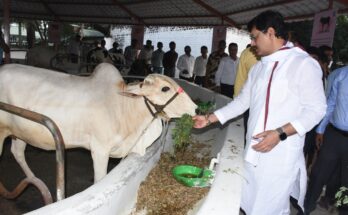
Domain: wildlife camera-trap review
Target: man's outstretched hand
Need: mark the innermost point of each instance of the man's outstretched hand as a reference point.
(201, 121)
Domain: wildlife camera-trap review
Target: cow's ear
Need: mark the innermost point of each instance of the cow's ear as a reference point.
(133, 90)
(129, 94)
(149, 80)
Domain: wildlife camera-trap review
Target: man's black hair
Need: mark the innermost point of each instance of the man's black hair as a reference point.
(312, 50)
(233, 44)
(324, 48)
(268, 19)
(204, 47)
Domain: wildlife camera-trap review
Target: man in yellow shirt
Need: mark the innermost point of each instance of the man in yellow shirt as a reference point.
(246, 61)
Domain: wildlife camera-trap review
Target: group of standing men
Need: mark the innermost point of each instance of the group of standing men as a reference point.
(218, 71)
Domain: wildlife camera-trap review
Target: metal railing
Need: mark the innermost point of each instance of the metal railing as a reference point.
(58, 139)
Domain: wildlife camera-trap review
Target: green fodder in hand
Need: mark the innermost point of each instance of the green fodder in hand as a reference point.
(204, 107)
(182, 133)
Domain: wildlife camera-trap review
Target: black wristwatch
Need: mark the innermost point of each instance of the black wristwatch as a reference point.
(282, 134)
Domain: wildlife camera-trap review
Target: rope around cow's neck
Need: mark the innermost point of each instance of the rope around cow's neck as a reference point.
(159, 113)
(160, 108)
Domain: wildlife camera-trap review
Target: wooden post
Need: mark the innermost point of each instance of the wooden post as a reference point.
(7, 28)
(219, 33)
(330, 4)
(138, 34)
(30, 35)
(19, 34)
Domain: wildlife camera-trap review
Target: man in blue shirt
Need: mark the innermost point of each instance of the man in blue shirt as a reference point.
(333, 133)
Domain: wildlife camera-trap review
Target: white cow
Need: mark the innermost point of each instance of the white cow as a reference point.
(99, 113)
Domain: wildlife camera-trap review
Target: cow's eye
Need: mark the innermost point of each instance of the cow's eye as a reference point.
(165, 89)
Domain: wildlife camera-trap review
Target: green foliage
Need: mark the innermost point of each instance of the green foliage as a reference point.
(182, 132)
(303, 30)
(341, 197)
(183, 126)
(340, 43)
(204, 107)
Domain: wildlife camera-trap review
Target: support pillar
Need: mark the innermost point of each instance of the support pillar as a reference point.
(20, 34)
(138, 34)
(30, 35)
(7, 28)
(219, 33)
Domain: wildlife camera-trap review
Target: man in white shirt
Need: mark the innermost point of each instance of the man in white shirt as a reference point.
(157, 57)
(200, 67)
(285, 102)
(146, 53)
(226, 73)
(185, 65)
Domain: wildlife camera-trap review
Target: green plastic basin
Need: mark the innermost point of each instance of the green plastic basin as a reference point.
(193, 176)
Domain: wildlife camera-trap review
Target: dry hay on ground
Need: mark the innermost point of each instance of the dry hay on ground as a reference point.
(161, 194)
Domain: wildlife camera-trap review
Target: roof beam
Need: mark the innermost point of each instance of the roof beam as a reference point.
(71, 15)
(216, 12)
(49, 10)
(96, 3)
(308, 16)
(179, 16)
(263, 6)
(345, 2)
(124, 8)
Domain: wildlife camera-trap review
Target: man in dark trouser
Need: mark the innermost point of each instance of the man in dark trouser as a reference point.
(169, 60)
(333, 153)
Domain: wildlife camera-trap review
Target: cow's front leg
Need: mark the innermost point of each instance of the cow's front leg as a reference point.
(100, 158)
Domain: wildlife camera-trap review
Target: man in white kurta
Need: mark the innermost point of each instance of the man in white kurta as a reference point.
(274, 166)
(185, 65)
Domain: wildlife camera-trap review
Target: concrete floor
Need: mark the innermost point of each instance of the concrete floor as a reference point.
(317, 211)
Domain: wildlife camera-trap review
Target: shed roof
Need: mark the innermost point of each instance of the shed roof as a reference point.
(166, 12)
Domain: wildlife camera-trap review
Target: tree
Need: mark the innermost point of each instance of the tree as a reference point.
(340, 44)
(303, 30)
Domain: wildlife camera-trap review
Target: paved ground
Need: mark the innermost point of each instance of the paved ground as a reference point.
(318, 211)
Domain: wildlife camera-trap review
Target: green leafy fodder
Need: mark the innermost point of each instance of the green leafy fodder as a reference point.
(205, 107)
(182, 132)
(341, 197)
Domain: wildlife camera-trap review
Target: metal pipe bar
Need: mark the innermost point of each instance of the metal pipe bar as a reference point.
(40, 185)
(57, 136)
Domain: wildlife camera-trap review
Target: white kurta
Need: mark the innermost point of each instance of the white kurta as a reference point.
(186, 63)
(296, 96)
